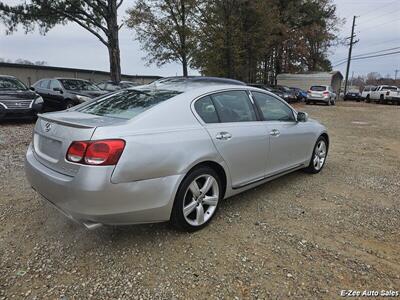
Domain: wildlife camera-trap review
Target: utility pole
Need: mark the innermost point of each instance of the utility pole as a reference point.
(352, 42)
(395, 74)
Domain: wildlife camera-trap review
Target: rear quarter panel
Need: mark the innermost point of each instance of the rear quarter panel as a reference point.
(162, 154)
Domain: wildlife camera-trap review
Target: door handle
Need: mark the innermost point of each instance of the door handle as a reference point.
(223, 136)
(275, 132)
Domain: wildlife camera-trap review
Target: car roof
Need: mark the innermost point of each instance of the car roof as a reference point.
(197, 79)
(8, 76)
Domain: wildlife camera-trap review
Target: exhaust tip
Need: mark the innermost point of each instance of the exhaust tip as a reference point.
(92, 226)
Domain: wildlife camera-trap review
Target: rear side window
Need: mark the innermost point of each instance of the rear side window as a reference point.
(234, 106)
(206, 110)
(273, 109)
(127, 103)
(389, 88)
(318, 88)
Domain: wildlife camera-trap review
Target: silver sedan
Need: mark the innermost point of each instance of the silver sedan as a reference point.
(168, 151)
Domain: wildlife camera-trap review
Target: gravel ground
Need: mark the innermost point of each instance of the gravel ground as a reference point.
(301, 236)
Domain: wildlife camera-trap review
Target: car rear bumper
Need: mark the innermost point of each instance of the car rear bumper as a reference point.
(90, 198)
(318, 99)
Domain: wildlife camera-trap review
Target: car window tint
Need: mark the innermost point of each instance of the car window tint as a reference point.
(273, 109)
(55, 84)
(127, 103)
(206, 110)
(44, 84)
(234, 106)
(318, 88)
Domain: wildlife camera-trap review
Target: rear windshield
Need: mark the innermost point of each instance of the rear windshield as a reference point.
(389, 88)
(127, 103)
(318, 88)
(11, 84)
(78, 85)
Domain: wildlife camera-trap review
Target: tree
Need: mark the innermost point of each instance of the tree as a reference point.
(166, 29)
(99, 17)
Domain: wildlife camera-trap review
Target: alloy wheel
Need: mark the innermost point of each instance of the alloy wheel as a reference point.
(201, 200)
(319, 155)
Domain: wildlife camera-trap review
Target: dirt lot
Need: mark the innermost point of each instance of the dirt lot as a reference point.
(303, 236)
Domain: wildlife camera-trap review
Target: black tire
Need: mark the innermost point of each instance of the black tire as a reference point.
(177, 216)
(307, 102)
(368, 99)
(69, 104)
(311, 167)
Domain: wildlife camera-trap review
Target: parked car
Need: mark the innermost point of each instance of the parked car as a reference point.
(151, 155)
(367, 91)
(64, 93)
(300, 94)
(353, 95)
(288, 94)
(269, 89)
(16, 100)
(321, 94)
(111, 86)
(384, 94)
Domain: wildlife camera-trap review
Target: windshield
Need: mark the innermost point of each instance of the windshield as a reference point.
(318, 88)
(78, 85)
(127, 103)
(11, 84)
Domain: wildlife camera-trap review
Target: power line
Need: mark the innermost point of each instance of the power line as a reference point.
(379, 16)
(374, 26)
(368, 53)
(367, 57)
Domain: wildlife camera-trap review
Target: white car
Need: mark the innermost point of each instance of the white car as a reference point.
(321, 94)
(366, 92)
(384, 94)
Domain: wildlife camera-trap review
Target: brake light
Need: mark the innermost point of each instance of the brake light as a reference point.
(76, 151)
(100, 153)
(326, 93)
(309, 92)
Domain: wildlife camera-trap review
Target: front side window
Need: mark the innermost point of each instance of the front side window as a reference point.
(127, 104)
(234, 106)
(78, 85)
(44, 84)
(206, 110)
(55, 84)
(273, 109)
(11, 84)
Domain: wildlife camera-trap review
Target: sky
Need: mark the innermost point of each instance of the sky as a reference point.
(377, 28)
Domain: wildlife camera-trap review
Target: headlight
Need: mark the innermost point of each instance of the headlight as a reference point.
(83, 98)
(38, 100)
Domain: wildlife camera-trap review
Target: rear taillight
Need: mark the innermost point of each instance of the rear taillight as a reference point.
(309, 92)
(76, 151)
(325, 93)
(100, 153)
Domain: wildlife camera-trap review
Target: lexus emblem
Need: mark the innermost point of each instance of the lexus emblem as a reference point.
(47, 127)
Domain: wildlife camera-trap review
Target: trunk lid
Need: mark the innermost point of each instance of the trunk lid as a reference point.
(54, 133)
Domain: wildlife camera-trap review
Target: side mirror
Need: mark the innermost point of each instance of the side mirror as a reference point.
(302, 116)
(56, 89)
(32, 88)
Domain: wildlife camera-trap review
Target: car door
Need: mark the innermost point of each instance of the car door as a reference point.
(240, 138)
(42, 88)
(56, 93)
(290, 142)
